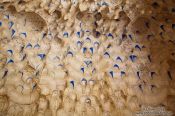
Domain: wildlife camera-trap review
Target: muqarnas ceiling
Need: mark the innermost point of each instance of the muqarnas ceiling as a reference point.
(86, 58)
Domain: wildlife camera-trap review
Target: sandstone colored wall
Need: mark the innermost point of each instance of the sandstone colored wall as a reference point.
(86, 57)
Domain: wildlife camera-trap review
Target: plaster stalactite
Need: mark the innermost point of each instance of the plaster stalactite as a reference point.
(86, 57)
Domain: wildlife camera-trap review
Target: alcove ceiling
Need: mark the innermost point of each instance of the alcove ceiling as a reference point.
(86, 57)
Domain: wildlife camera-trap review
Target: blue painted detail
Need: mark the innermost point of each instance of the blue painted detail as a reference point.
(87, 31)
(138, 74)
(112, 74)
(122, 73)
(0, 23)
(133, 58)
(106, 53)
(130, 36)
(118, 58)
(88, 39)
(11, 51)
(79, 43)
(34, 86)
(29, 45)
(70, 53)
(97, 34)
(10, 61)
(61, 65)
(65, 34)
(72, 83)
(7, 16)
(10, 24)
(42, 56)
(83, 79)
(84, 49)
(24, 33)
(37, 46)
(78, 33)
(92, 50)
(115, 65)
(88, 62)
(138, 47)
(82, 69)
(105, 4)
(13, 32)
(96, 44)
(110, 35)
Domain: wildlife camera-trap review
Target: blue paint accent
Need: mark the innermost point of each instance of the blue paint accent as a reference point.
(138, 47)
(118, 58)
(42, 56)
(37, 46)
(84, 49)
(0, 23)
(72, 83)
(92, 50)
(112, 74)
(133, 58)
(110, 35)
(70, 53)
(65, 34)
(97, 33)
(106, 53)
(78, 33)
(96, 43)
(79, 43)
(11, 51)
(29, 45)
(83, 79)
(122, 73)
(82, 69)
(88, 63)
(13, 32)
(105, 4)
(115, 65)
(34, 86)
(24, 33)
(7, 16)
(88, 39)
(10, 61)
(10, 24)
(130, 36)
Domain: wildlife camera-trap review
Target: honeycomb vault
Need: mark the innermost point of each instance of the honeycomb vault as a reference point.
(86, 57)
